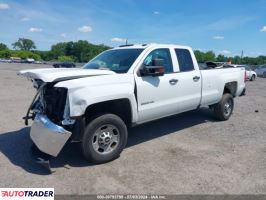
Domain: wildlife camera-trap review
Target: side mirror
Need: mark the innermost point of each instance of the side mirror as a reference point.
(157, 68)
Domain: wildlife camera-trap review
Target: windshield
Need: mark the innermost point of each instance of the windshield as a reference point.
(119, 60)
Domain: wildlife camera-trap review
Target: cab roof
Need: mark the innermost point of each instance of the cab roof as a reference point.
(144, 46)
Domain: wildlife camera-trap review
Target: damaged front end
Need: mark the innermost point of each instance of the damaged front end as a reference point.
(49, 111)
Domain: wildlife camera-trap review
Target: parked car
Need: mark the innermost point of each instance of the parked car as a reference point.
(29, 60)
(39, 62)
(261, 71)
(16, 59)
(64, 65)
(250, 74)
(123, 87)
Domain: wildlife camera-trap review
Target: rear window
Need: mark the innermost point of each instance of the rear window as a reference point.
(184, 60)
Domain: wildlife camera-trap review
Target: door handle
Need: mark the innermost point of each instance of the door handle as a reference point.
(196, 78)
(173, 81)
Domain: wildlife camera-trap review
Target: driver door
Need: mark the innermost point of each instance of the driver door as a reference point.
(157, 95)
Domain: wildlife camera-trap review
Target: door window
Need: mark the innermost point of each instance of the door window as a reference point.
(184, 60)
(160, 54)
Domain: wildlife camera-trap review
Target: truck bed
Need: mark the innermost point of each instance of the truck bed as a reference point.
(213, 81)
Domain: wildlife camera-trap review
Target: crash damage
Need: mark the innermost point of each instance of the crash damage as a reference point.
(52, 125)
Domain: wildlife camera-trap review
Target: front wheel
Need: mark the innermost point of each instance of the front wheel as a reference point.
(104, 138)
(224, 109)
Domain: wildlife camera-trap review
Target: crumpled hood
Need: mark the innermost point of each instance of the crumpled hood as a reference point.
(61, 74)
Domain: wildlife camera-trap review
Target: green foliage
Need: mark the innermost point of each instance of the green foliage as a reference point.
(203, 57)
(200, 56)
(210, 56)
(58, 50)
(83, 51)
(25, 54)
(65, 59)
(45, 55)
(19, 53)
(24, 44)
(5, 54)
(3, 47)
(221, 58)
(80, 51)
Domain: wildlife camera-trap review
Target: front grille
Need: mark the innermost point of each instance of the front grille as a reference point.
(54, 102)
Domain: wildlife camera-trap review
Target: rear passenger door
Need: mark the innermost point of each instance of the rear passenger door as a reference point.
(189, 81)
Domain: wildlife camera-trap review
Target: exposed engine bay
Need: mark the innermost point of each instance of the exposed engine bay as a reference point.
(50, 101)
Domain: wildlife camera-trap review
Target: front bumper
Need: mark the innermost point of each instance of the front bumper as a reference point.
(47, 136)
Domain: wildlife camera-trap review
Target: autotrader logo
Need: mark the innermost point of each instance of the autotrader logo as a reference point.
(27, 193)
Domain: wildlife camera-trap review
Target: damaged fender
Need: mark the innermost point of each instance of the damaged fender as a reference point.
(88, 91)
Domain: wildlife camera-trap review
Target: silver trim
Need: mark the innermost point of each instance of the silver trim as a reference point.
(49, 137)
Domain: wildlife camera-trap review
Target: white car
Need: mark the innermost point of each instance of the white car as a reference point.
(250, 74)
(261, 71)
(120, 88)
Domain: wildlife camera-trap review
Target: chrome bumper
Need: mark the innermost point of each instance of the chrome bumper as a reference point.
(48, 137)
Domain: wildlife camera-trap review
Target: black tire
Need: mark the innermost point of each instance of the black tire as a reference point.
(252, 78)
(221, 111)
(90, 136)
(264, 75)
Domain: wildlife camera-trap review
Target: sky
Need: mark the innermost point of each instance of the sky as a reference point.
(224, 26)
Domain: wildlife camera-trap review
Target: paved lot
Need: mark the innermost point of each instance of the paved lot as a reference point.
(187, 153)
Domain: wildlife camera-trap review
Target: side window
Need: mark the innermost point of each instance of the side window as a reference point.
(184, 60)
(160, 54)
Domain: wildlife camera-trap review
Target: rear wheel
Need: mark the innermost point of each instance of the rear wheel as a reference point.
(224, 109)
(264, 74)
(104, 138)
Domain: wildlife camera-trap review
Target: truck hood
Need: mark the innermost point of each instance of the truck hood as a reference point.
(61, 74)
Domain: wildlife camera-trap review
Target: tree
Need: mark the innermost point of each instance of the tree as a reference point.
(24, 44)
(3, 47)
(58, 49)
(203, 57)
(80, 51)
(237, 60)
(65, 59)
(5, 54)
(200, 56)
(25, 54)
(220, 58)
(209, 56)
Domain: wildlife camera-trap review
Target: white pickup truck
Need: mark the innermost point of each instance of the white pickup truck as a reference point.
(123, 87)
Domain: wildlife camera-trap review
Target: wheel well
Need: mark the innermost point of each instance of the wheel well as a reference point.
(119, 107)
(230, 88)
